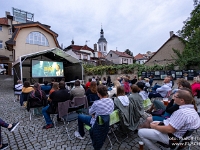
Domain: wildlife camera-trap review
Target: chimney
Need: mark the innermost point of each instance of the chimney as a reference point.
(95, 47)
(7, 13)
(171, 33)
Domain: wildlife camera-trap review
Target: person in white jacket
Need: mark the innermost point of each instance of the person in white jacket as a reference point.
(163, 90)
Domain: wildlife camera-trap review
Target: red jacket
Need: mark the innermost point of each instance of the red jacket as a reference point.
(87, 85)
(195, 86)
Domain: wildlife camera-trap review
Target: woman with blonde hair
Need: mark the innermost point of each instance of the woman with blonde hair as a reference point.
(25, 91)
(113, 92)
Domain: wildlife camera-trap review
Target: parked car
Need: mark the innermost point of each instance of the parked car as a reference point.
(2, 71)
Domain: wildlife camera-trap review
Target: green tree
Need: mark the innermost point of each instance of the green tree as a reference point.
(190, 34)
(127, 51)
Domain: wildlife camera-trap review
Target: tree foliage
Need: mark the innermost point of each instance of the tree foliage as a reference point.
(127, 51)
(190, 33)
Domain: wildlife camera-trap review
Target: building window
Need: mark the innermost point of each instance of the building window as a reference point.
(1, 28)
(104, 48)
(10, 31)
(99, 48)
(1, 44)
(37, 38)
(85, 57)
(79, 56)
(110, 55)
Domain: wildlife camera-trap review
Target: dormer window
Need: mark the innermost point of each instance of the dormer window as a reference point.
(110, 55)
(37, 38)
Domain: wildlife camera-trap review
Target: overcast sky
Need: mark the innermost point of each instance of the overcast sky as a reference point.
(138, 25)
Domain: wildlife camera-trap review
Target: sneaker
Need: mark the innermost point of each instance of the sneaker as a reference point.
(77, 134)
(48, 126)
(14, 125)
(4, 146)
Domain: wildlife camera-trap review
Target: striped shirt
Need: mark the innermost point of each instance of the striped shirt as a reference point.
(104, 106)
(183, 119)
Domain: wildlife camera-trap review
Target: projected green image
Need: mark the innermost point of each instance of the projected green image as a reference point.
(47, 69)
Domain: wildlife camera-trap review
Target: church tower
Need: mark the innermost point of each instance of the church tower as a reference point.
(102, 43)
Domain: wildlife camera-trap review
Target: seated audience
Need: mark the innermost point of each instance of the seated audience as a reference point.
(127, 88)
(93, 78)
(37, 97)
(146, 81)
(141, 79)
(151, 80)
(171, 80)
(104, 82)
(60, 95)
(136, 108)
(113, 92)
(185, 118)
(46, 87)
(18, 89)
(25, 91)
(142, 93)
(122, 104)
(87, 85)
(55, 87)
(195, 86)
(103, 106)
(91, 93)
(52, 81)
(157, 104)
(163, 90)
(108, 81)
(134, 80)
(78, 91)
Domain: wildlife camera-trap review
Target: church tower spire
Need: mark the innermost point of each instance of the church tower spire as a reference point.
(102, 43)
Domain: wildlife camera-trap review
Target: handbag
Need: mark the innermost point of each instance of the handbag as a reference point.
(158, 112)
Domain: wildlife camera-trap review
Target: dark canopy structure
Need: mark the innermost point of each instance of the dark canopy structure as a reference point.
(72, 67)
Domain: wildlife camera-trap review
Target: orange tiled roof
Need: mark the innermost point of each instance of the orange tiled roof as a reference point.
(3, 21)
(139, 56)
(78, 47)
(122, 54)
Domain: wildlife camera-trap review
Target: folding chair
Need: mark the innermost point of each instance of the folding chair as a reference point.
(114, 118)
(147, 103)
(68, 115)
(79, 101)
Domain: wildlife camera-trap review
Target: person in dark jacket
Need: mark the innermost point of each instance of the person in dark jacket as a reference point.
(57, 96)
(37, 98)
(46, 87)
(134, 80)
(108, 81)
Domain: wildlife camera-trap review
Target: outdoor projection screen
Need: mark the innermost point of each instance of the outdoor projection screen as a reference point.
(47, 69)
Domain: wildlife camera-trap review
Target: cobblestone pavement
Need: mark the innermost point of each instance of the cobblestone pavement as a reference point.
(29, 135)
